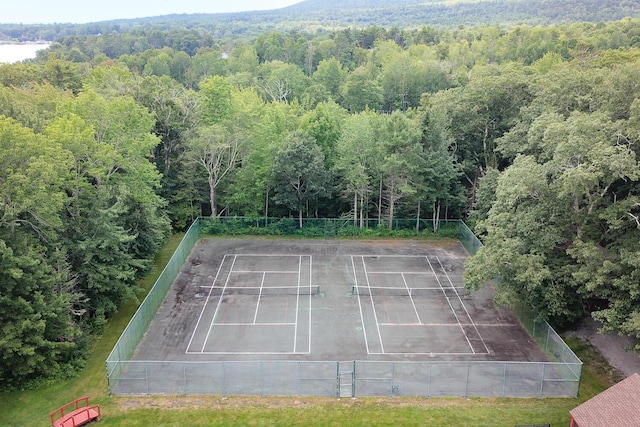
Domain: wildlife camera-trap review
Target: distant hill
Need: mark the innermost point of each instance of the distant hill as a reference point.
(451, 13)
(320, 15)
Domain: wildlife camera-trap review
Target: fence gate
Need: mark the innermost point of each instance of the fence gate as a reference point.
(346, 379)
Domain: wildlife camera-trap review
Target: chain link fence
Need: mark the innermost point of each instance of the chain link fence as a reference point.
(133, 333)
(349, 379)
(559, 377)
(330, 227)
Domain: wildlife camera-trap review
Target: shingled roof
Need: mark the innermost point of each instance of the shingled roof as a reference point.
(616, 406)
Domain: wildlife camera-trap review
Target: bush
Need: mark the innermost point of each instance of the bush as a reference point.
(315, 228)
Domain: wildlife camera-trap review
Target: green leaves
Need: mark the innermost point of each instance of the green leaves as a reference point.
(299, 173)
(31, 179)
(37, 325)
(562, 226)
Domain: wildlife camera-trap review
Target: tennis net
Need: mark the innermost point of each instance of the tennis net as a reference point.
(394, 291)
(259, 290)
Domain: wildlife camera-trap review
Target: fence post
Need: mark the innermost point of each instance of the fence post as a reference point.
(106, 367)
(533, 330)
(466, 387)
(224, 379)
(504, 380)
(546, 344)
(184, 377)
(544, 367)
(261, 378)
(353, 380)
(338, 380)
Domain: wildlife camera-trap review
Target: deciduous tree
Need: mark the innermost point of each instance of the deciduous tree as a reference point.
(299, 174)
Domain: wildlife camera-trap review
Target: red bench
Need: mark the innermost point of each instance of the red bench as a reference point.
(75, 413)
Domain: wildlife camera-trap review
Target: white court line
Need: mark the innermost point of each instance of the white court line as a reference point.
(250, 353)
(417, 273)
(432, 353)
(389, 256)
(451, 306)
(261, 287)
(373, 306)
(219, 303)
(295, 328)
(269, 255)
(498, 325)
(463, 306)
(415, 310)
(206, 302)
(266, 271)
(310, 300)
(255, 316)
(256, 324)
(355, 280)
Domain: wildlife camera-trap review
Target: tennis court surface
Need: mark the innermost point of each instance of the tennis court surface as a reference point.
(251, 302)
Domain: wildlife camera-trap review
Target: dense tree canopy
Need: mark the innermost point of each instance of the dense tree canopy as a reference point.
(108, 143)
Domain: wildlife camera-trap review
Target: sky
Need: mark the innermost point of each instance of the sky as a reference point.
(83, 11)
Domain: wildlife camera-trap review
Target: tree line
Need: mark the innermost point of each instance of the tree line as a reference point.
(315, 17)
(529, 133)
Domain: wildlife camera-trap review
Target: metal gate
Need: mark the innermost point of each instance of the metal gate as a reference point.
(346, 379)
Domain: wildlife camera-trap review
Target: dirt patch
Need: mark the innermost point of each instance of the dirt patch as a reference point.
(179, 403)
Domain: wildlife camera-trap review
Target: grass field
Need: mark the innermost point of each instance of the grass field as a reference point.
(31, 408)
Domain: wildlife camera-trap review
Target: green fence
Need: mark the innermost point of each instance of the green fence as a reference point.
(559, 377)
(468, 239)
(130, 338)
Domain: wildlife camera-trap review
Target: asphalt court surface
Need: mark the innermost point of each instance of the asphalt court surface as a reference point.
(330, 300)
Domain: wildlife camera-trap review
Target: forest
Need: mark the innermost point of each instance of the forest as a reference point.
(108, 143)
(325, 16)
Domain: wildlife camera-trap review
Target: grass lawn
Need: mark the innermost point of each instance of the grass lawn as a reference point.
(31, 408)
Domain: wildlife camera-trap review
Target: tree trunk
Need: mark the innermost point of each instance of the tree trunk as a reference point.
(362, 212)
(300, 218)
(212, 196)
(392, 203)
(436, 216)
(355, 208)
(266, 205)
(380, 203)
(418, 219)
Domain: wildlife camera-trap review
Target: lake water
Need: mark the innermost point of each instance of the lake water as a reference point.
(20, 51)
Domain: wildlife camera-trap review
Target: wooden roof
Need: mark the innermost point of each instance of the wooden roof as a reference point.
(616, 406)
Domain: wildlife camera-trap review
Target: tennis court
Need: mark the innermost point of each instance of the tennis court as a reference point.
(238, 304)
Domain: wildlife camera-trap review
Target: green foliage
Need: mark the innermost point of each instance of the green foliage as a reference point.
(555, 230)
(80, 220)
(37, 290)
(324, 124)
(38, 329)
(193, 32)
(361, 91)
(322, 227)
(216, 99)
(299, 173)
(402, 160)
(531, 131)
